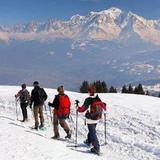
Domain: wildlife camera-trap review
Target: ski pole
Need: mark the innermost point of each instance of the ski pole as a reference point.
(76, 136)
(32, 113)
(71, 120)
(105, 128)
(46, 113)
(50, 111)
(71, 123)
(16, 108)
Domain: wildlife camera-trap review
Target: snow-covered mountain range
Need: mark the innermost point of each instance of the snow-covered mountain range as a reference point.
(111, 24)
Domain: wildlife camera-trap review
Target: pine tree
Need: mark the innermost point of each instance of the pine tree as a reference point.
(124, 89)
(112, 90)
(136, 90)
(139, 89)
(130, 89)
(115, 90)
(99, 87)
(147, 93)
(105, 89)
(84, 87)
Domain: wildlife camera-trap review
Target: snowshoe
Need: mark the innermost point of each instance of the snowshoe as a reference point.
(95, 151)
(87, 143)
(55, 137)
(35, 127)
(41, 126)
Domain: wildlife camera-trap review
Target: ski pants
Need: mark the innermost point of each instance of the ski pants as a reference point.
(24, 110)
(63, 124)
(38, 111)
(92, 136)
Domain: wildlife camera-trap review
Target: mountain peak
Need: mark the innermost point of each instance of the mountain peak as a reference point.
(114, 9)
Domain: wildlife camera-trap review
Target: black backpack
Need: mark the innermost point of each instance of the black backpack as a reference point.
(24, 96)
(41, 95)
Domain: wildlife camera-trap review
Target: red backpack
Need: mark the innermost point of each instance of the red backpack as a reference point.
(64, 105)
(97, 107)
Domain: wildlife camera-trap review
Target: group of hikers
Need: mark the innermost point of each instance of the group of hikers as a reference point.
(93, 106)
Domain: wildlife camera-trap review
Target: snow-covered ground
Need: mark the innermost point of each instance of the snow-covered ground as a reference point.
(133, 130)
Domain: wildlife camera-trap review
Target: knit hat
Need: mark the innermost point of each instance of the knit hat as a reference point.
(35, 83)
(23, 86)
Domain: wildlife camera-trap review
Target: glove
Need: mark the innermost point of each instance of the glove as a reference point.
(88, 115)
(49, 104)
(77, 102)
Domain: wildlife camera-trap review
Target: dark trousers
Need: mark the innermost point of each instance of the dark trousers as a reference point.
(92, 136)
(24, 110)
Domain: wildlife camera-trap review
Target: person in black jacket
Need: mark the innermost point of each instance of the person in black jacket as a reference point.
(38, 97)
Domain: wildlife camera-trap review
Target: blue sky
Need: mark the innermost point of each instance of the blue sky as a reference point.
(23, 11)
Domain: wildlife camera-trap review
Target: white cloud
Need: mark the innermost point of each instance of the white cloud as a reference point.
(51, 53)
(69, 54)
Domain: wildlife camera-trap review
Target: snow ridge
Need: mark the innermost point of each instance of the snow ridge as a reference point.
(110, 24)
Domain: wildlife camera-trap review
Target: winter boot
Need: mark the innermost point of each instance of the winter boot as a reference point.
(41, 126)
(55, 137)
(96, 151)
(36, 126)
(69, 134)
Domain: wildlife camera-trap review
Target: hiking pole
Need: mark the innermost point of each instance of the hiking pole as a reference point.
(50, 111)
(105, 128)
(46, 113)
(32, 113)
(77, 104)
(16, 108)
(71, 123)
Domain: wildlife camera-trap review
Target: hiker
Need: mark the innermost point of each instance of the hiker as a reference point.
(24, 97)
(61, 105)
(94, 107)
(38, 97)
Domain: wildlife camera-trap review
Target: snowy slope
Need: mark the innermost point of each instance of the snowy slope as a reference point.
(133, 130)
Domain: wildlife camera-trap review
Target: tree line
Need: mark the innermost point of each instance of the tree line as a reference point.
(102, 87)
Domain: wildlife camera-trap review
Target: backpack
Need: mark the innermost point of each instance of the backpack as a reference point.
(96, 109)
(41, 95)
(64, 106)
(24, 96)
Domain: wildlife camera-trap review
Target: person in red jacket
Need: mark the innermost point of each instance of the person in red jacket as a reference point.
(61, 105)
(94, 107)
